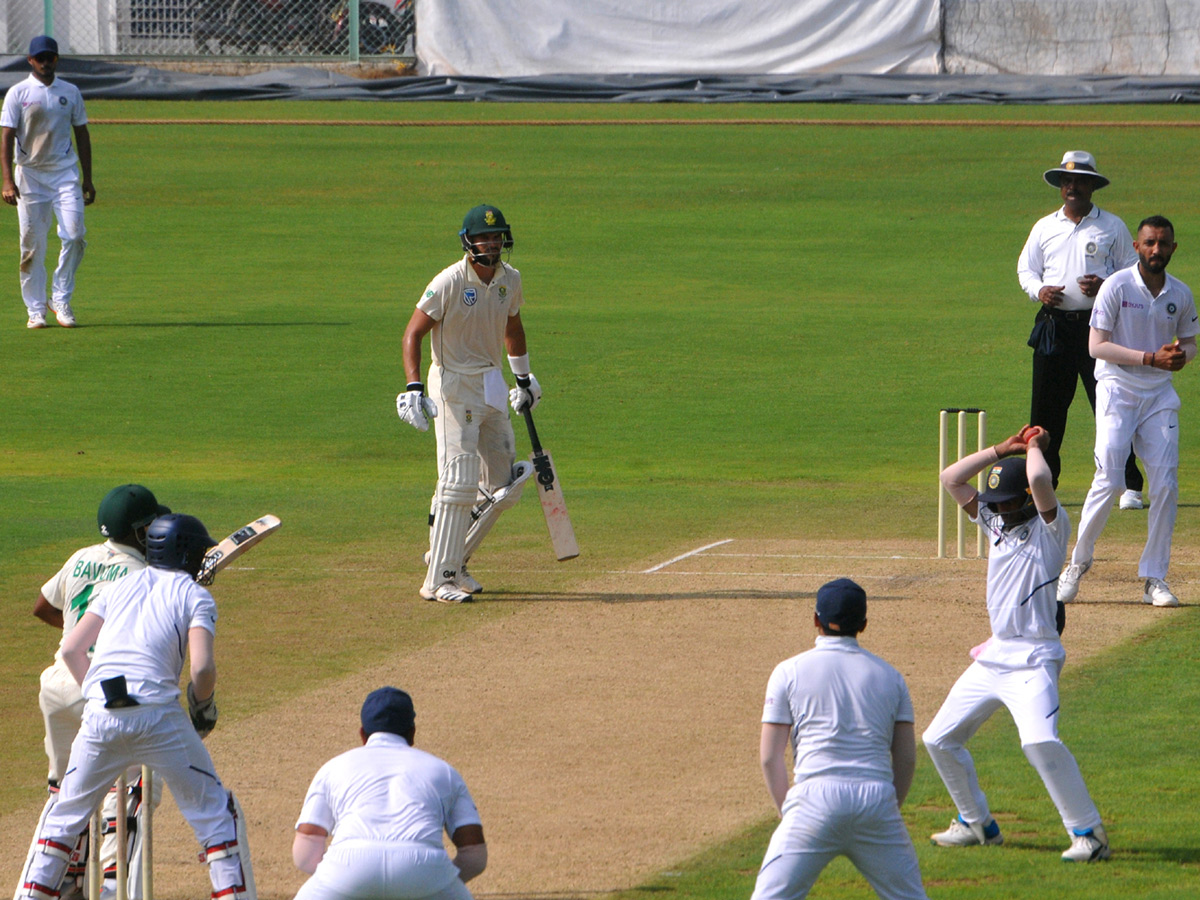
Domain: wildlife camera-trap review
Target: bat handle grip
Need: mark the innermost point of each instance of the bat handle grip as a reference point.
(533, 435)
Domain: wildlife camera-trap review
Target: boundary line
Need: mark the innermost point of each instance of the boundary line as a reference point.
(698, 550)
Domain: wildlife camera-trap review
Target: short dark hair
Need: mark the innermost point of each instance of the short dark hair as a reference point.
(1156, 222)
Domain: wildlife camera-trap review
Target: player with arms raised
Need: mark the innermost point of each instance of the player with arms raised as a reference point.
(1019, 666)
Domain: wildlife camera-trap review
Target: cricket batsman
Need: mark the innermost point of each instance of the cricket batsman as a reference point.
(472, 314)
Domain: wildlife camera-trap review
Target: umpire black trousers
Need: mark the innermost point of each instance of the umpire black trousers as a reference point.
(1055, 379)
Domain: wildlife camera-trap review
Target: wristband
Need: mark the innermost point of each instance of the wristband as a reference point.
(519, 364)
(416, 386)
(1147, 359)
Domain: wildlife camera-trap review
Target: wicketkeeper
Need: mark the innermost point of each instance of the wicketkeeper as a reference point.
(472, 313)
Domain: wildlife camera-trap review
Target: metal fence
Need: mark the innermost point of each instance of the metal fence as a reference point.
(230, 29)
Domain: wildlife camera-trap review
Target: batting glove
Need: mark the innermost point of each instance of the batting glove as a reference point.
(415, 408)
(203, 713)
(526, 394)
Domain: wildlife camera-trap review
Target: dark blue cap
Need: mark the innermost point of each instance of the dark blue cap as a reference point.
(43, 43)
(388, 709)
(842, 606)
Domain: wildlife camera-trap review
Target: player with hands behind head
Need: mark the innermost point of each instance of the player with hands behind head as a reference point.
(1018, 667)
(472, 314)
(132, 712)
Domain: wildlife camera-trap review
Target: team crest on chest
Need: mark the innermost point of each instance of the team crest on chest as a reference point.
(1171, 308)
(469, 415)
(1091, 248)
(62, 101)
(503, 291)
(469, 296)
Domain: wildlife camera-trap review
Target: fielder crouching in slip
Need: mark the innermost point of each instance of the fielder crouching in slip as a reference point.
(386, 804)
(142, 627)
(1018, 667)
(849, 718)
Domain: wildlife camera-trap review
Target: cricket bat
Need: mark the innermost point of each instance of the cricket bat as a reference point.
(235, 545)
(554, 507)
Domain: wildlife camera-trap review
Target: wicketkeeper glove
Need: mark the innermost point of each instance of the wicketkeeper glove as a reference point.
(203, 713)
(414, 407)
(526, 394)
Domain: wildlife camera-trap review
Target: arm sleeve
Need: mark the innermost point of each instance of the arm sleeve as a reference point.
(316, 809)
(1124, 255)
(78, 112)
(776, 709)
(1030, 265)
(10, 113)
(904, 705)
(204, 612)
(461, 809)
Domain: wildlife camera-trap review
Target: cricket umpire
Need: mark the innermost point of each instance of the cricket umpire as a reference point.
(1066, 258)
(387, 804)
(849, 719)
(472, 314)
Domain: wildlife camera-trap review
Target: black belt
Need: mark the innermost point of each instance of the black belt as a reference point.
(1069, 315)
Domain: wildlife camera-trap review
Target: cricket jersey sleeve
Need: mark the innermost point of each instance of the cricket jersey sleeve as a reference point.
(55, 590)
(204, 610)
(1104, 311)
(460, 806)
(1188, 325)
(777, 709)
(316, 809)
(904, 705)
(78, 112)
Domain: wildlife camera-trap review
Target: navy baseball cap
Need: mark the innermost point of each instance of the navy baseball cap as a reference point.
(43, 43)
(842, 605)
(388, 709)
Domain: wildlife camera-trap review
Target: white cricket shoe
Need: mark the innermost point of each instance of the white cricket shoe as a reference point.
(65, 316)
(962, 834)
(1158, 594)
(1068, 581)
(446, 592)
(465, 581)
(1091, 846)
(36, 320)
(1132, 500)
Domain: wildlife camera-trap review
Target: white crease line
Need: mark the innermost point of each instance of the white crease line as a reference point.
(677, 572)
(653, 569)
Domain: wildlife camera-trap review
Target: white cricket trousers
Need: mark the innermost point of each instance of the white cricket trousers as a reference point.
(1031, 696)
(45, 195)
(467, 423)
(359, 869)
(825, 818)
(109, 741)
(1150, 421)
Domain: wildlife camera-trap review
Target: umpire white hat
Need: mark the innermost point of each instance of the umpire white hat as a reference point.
(1075, 162)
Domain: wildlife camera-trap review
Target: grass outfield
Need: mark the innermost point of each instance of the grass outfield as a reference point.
(740, 328)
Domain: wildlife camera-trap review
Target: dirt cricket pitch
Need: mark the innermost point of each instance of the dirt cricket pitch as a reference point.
(585, 723)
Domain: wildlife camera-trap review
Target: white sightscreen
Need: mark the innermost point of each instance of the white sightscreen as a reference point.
(511, 38)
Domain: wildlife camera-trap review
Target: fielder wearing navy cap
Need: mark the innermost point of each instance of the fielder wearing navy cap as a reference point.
(388, 709)
(842, 606)
(43, 44)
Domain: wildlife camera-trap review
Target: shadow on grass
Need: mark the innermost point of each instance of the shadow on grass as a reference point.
(216, 325)
(640, 596)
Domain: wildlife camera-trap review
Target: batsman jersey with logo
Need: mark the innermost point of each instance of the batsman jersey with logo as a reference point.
(43, 116)
(471, 316)
(1139, 320)
(73, 586)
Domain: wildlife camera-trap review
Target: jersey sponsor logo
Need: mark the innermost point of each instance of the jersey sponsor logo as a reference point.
(1129, 304)
(428, 294)
(469, 296)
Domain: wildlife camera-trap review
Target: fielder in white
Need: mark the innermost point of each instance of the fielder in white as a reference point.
(386, 805)
(1143, 328)
(1018, 667)
(849, 719)
(472, 313)
(122, 518)
(37, 120)
(143, 628)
